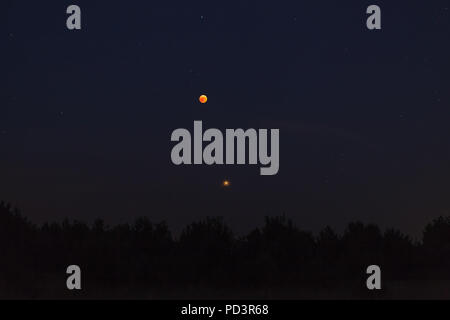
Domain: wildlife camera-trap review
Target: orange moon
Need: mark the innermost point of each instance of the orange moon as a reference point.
(226, 183)
(203, 98)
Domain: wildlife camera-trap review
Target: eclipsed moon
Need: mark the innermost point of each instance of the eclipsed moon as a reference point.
(203, 98)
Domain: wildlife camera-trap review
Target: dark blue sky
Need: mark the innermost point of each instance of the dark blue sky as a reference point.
(86, 116)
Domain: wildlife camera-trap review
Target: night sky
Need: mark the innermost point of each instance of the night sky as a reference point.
(364, 116)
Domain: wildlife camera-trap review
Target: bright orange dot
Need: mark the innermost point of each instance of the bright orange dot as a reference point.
(226, 183)
(203, 98)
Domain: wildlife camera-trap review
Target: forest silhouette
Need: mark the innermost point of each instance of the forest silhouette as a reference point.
(277, 260)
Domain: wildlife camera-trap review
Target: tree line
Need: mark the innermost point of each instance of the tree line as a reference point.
(208, 254)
